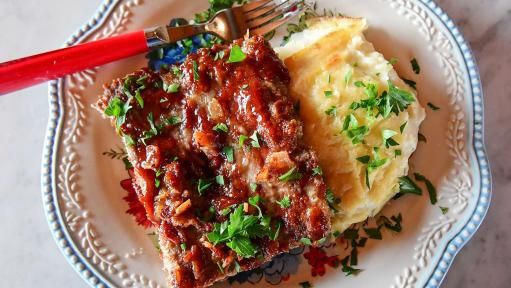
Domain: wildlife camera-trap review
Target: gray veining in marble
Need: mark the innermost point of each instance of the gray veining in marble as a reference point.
(28, 254)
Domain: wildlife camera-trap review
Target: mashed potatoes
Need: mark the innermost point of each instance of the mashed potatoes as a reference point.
(345, 89)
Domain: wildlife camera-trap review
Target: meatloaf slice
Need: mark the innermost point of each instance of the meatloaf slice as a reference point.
(219, 161)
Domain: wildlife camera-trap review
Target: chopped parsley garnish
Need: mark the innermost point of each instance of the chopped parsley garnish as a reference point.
(350, 270)
(353, 131)
(242, 140)
(332, 111)
(157, 183)
(128, 140)
(152, 131)
(359, 84)
(116, 108)
(305, 284)
(349, 122)
(444, 210)
(410, 83)
(203, 185)
(433, 106)
(220, 180)
(238, 231)
(393, 61)
(387, 138)
(373, 233)
(196, 75)
(183, 246)
(328, 93)
(221, 127)
(364, 159)
(172, 120)
(332, 200)
(347, 77)
(407, 186)
(171, 88)
(291, 175)
(284, 202)
(139, 99)
(317, 171)
(393, 224)
(415, 66)
(402, 127)
(398, 100)
(430, 187)
(253, 187)
(397, 152)
(176, 71)
(236, 54)
(127, 163)
(306, 241)
(422, 138)
(229, 153)
(255, 140)
(357, 134)
(375, 164)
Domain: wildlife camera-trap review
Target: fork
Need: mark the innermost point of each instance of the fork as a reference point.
(255, 18)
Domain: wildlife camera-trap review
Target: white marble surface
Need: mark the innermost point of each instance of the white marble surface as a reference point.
(28, 254)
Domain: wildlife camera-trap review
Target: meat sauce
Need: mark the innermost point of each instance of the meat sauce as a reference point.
(179, 151)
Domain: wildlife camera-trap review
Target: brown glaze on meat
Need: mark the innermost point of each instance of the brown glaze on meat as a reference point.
(249, 97)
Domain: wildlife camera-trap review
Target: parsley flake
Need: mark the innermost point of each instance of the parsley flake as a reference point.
(328, 93)
(220, 180)
(393, 61)
(305, 284)
(387, 138)
(140, 100)
(284, 202)
(116, 108)
(171, 88)
(291, 175)
(128, 140)
(203, 185)
(332, 200)
(407, 186)
(306, 241)
(402, 127)
(236, 54)
(242, 140)
(433, 106)
(229, 153)
(195, 67)
(347, 77)
(373, 233)
(332, 111)
(410, 83)
(317, 171)
(444, 210)
(255, 140)
(221, 127)
(415, 66)
(430, 187)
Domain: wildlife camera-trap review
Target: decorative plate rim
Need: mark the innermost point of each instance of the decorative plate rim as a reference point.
(454, 244)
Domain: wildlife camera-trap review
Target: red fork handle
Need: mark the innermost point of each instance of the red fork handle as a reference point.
(25, 72)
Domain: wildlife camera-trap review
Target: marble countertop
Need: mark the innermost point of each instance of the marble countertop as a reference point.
(29, 256)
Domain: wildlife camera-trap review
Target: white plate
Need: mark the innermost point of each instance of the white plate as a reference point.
(81, 189)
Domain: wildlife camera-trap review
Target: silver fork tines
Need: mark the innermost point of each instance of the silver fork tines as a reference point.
(257, 17)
